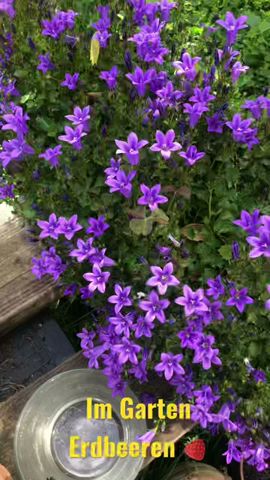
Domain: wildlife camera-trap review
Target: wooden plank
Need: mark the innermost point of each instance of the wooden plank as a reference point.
(21, 295)
(11, 410)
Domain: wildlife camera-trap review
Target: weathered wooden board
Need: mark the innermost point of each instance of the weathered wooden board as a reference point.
(21, 295)
(11, 409)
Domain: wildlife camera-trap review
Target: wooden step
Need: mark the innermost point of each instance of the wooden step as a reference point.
(21, 294)
(11, 410)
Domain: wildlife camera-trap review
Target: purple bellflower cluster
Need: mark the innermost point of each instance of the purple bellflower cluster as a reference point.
(102, 26)
(59, 24)
(17, 148)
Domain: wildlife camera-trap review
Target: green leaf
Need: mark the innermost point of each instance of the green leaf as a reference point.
(193, 231)
(160, 217)
(226, 252)
(141, 227)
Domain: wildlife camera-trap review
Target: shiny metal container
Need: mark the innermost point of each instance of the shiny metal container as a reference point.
(56, 411)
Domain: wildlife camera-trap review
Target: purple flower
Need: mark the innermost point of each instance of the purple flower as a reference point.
(213, 312)
(232, 452)
(148, 437)
(73, 136)
(165, 144)
(61, 22)
(261, 244)
(169, 97)
(97, 226)
(200, 415)
(114, 168)
(6, 6)
(121, 183)
(187, 66)
(189, 337)
(193, 302)
(170, 365)
(117, 385)
(149, 44)
(223, 416)
(202, 95)
(237, 70)
(48, 264)
(122, 323)
(69, 227)
(192, 155)
(98, 257)
(14, 150)
(143, 327)
(141, 79)
(232, 25)
(110, 77)
(127, 351)
(239, 299)
(71, 81)
(162, 278)
(216, 287)
(80, 117)
(50, 228)
(205, 396)
(84, 250)
(154, 307)
(241, 129)
(195, 112)
(151, 196)
(6, 191)
(121, 298)
(235, 250)
(86, 339)
(215, 124)
(255, 107)
(131, 148)
(97, 279)
(250, 223)
(205, 354)
(102, 26)
(259, 456)
(45, 63)
(259, 376)
(52, 155)
(16, 121)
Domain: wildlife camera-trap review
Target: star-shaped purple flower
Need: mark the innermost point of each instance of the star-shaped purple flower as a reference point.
(216, 287)
(192, 155)
(131, 148)
(187, 66)
(73, 136)
(97, 279)
(84, 250)
(239, 299)
(110, 77)
(205, 354)
(151, 196)
(141, 79)
(52, 155)
(249, 222)
(71, 81)
(49, 228)
(193, 302)
(69, 227)
(170, 365)
(121, 183)
(232, 25)
(154, 307)
(165, 144)
(163, 278)
(121, 298)
(97, 226)
(81, 116)
(45, 63)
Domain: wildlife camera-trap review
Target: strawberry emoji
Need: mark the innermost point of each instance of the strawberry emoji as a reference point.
(195, 450)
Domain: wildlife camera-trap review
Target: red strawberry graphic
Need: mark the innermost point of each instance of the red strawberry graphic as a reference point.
(195, 450)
